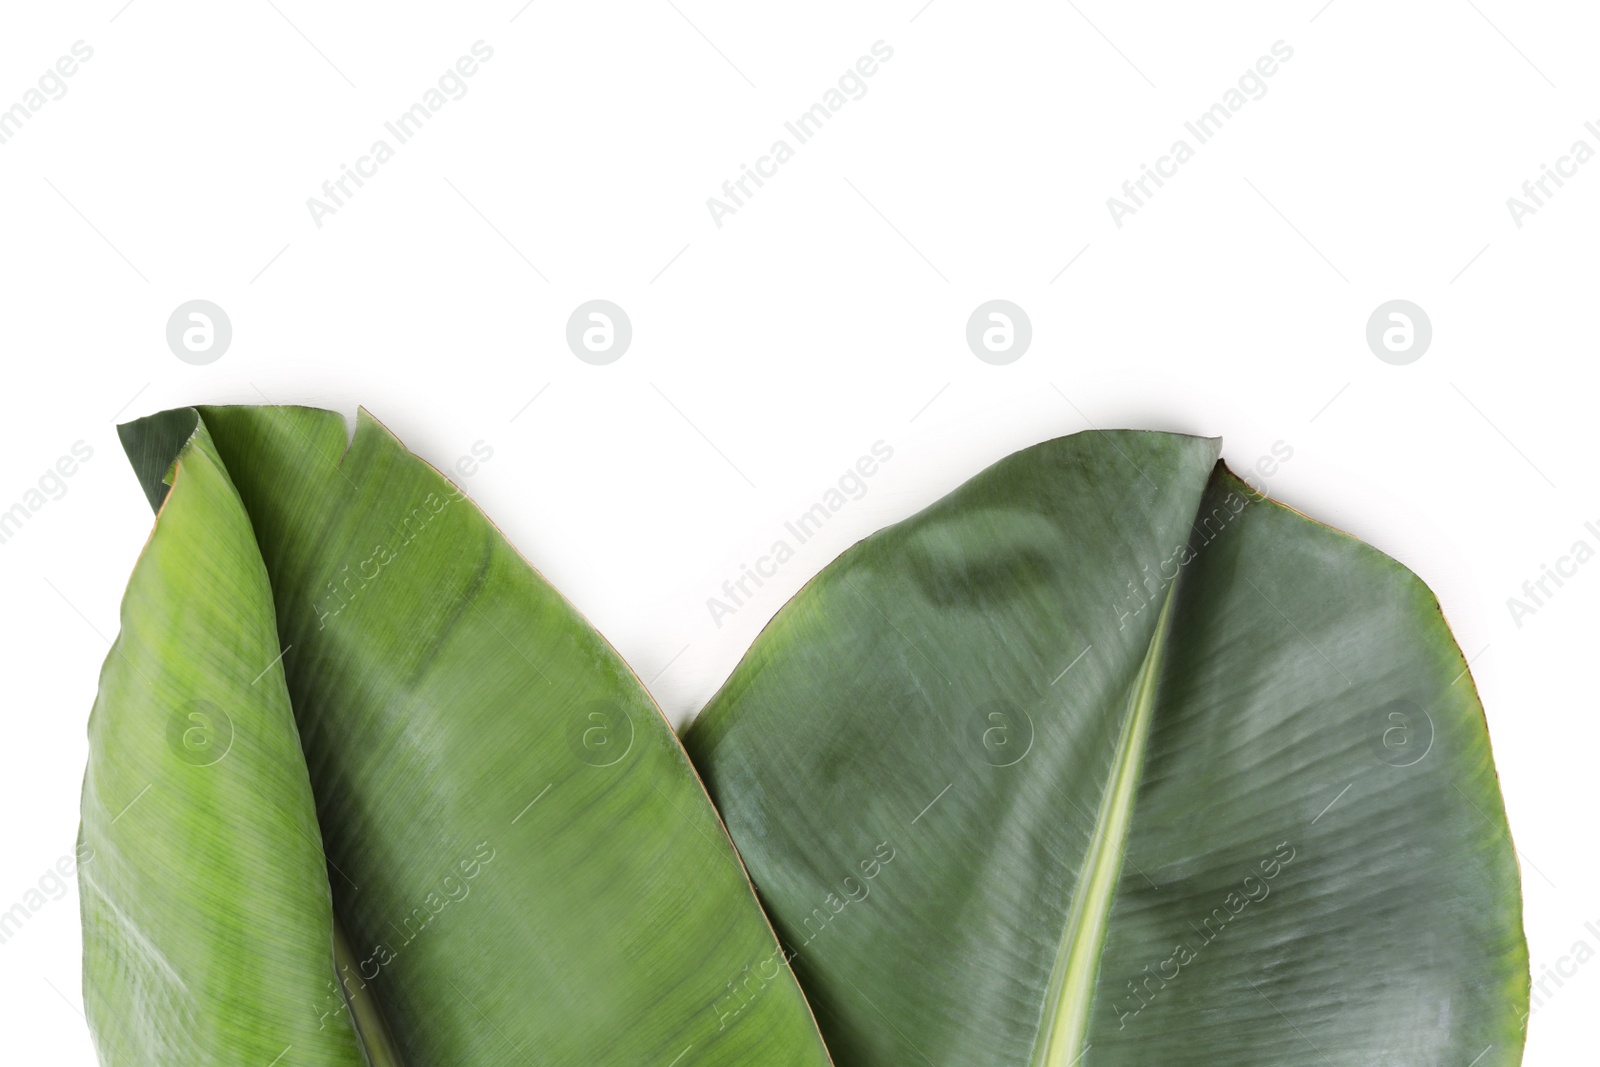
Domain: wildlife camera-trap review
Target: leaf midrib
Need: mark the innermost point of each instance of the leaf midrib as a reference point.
(1077, 966)
(372, 1034)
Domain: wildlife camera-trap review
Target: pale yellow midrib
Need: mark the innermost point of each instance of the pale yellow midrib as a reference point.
(1077, 965)
(377, 1047)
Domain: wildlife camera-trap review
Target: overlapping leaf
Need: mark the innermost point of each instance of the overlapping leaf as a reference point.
(521, 862)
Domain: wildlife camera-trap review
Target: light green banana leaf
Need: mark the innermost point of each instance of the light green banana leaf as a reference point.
(341, 708)
(1104, 759)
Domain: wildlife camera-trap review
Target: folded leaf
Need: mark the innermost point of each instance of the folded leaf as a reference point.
(1104, 759)
(207, 920)
(523, 866)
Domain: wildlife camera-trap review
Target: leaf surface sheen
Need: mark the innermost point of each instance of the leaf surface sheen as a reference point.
(1140, 740)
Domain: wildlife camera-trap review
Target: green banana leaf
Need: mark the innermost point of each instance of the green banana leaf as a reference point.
(1105, 759)
(343, 718)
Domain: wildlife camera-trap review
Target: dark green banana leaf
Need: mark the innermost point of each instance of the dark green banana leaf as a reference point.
(1104, 759)
(341, 708)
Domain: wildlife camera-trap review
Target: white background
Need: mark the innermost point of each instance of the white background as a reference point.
(825, 315)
